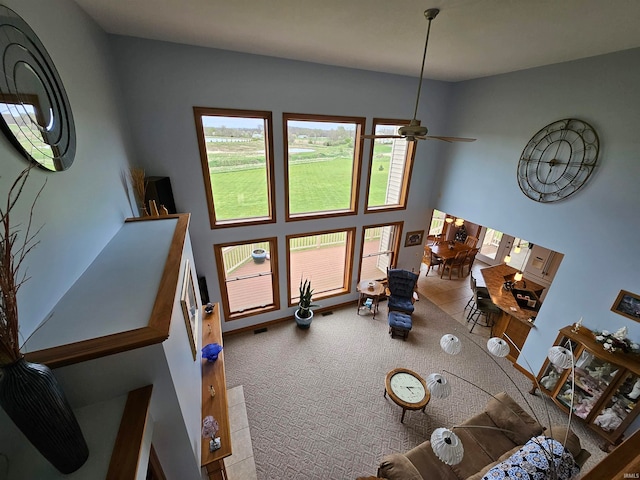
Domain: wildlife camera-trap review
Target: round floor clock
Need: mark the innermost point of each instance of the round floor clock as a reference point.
(558, 160)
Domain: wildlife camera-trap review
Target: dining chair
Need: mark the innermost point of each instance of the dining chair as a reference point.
(454, 263)
(471, 257)
(471, 241)
(430, 259)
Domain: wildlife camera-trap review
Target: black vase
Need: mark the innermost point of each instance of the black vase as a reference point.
(33, 399)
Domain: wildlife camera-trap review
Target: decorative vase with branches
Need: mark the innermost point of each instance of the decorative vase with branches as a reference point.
(29, 392)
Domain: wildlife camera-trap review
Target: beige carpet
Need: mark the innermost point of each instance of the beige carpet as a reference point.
(315, 402)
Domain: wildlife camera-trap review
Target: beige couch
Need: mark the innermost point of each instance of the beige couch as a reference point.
(483, 447)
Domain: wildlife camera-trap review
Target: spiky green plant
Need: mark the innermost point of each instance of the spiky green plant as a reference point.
(304, 305)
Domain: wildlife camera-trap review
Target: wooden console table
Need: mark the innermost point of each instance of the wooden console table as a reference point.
(213, 375)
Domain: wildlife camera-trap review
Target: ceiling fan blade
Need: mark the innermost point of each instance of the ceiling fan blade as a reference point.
(381, 136)
(448, 139)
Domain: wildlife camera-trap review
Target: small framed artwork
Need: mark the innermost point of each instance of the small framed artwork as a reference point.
(628, 305)
(413, 238)
(190, 308)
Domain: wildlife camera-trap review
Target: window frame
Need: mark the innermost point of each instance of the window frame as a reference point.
(267, 117)
(408, 169)
(356, 170)
(275, 282)
(396, 247)
(348, 273)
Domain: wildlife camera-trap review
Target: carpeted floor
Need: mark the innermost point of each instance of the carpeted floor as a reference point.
(315, 400)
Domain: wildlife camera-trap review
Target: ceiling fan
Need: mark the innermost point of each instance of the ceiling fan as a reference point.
(414, 131)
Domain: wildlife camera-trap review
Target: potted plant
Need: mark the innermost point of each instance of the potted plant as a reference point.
(304, 314)
(29, 392)
(259, 255)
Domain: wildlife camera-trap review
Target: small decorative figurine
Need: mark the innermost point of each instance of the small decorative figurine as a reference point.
(576, 326)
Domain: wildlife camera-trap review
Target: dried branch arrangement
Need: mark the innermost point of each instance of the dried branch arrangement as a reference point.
(16, 241)
(139, 185)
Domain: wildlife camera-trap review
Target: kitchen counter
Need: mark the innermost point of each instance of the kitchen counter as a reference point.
(514, 322)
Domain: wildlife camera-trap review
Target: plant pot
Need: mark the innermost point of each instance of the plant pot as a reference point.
(303, 323)
(33, 399)
(259, 255)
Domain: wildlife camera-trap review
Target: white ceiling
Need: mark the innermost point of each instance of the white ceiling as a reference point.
(469, 38)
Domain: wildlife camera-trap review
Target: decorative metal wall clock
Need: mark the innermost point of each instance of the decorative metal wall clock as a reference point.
(36, 114)
(558, 160)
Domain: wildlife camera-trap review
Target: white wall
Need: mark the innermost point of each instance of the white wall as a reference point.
(163, 81)
(597, 228)
(80, 209)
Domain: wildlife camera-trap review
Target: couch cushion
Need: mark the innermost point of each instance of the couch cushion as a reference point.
(493, 442)
(475, 457)
(398, 467)
(430, 466)
(507, 414)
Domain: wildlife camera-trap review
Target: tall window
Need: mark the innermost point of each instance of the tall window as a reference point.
(323, 157)
(236, 151)
(325, 258)
(248, 278)
(389, 167)
(380, 244)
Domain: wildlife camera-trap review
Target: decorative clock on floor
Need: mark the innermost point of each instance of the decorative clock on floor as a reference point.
(558, 160)
(407, 389)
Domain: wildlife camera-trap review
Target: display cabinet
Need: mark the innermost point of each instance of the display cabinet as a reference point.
(606, 386)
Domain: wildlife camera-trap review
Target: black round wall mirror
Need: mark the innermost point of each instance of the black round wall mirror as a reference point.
(36, 114)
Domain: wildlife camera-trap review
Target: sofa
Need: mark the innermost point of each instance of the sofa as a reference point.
(484, 448)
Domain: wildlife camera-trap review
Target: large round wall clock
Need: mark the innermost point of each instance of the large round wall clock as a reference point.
(558, 160)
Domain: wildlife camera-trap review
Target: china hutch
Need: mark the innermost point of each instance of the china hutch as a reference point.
(607, 384)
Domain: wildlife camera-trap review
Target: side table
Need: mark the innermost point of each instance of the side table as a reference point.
(369, 290)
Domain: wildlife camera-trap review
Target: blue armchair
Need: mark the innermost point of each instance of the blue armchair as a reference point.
(401, 285)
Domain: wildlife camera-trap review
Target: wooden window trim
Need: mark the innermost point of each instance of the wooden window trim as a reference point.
(275, 282)
(348, 271)
(267, 116)
(406, 177)
(356, 168)
(396, 247)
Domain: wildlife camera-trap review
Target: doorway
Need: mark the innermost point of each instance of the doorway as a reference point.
(495, 246)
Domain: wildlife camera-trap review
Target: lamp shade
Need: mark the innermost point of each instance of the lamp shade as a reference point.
(438, 386)
(560, 357)
(507, 259)
(447, 446)
(518, 276)
(450, 344)
(498, 347)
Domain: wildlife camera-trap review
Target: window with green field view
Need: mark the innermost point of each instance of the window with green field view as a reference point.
(380, 244)
(322, 159)
(247, 273)
(324, 258)
(236, 151)
(389, 167)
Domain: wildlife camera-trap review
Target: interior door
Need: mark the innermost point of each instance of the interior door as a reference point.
(495, 245)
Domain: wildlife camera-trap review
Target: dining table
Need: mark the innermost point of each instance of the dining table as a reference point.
(448, 250)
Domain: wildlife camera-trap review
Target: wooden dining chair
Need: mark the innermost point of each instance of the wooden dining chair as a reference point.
(471, 241)
(471, 257)
(454, 263)
(430, 259)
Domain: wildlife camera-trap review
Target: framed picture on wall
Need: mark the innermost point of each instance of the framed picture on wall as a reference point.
(190, 309)
(628, 305)
(413, 238)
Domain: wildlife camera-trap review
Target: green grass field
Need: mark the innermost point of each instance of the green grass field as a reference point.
(320, 180)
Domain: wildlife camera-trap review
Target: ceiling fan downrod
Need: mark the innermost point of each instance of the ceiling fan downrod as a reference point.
(430, 14)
